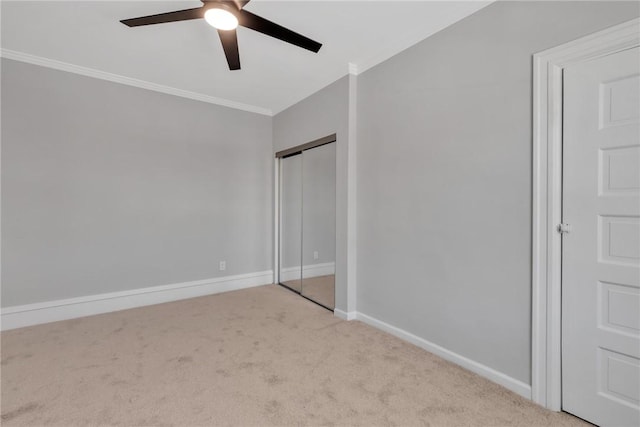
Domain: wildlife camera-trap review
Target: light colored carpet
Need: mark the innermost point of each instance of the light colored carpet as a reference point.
(261, 356)
(321, 289)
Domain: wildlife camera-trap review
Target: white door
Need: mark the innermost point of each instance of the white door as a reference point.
(601, 253)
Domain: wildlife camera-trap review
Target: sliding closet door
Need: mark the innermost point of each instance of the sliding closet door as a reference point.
(291, 222)
(319, 224)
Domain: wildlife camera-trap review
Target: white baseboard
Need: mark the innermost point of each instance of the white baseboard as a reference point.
(308, 271)
(53, 311)
(351, 315)
(504, 380)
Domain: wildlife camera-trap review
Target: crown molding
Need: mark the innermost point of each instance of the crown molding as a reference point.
(116, 78)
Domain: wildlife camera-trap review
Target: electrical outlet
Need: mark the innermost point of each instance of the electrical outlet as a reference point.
(315, 254)
(223, 265)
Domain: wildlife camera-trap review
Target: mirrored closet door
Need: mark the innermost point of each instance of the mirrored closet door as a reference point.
(308, 221)
(291, 222)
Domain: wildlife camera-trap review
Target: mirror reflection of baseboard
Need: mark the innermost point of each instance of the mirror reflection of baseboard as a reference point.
(308, 271)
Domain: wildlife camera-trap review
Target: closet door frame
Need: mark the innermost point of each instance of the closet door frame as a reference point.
(298, 149)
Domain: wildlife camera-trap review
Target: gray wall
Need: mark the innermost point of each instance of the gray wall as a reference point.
(107, 187)
(323, 113)
(444, 178)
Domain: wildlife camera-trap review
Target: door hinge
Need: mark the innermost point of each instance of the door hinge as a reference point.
(563, 228)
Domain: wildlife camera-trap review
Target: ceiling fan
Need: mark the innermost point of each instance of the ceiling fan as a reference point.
(225, 16)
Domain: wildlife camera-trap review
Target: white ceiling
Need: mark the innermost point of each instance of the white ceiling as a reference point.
(188, 56)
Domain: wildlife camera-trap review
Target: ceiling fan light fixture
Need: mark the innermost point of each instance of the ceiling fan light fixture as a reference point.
(221, 19)
(226, 16)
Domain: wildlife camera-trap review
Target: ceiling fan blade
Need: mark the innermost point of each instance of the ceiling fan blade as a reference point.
(229, 41)
(178, 15)
(264, 26)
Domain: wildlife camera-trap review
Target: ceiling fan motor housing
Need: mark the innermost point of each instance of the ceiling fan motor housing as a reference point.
(215, 4)
(228, 5)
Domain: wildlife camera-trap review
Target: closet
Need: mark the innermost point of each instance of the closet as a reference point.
(307, 220)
